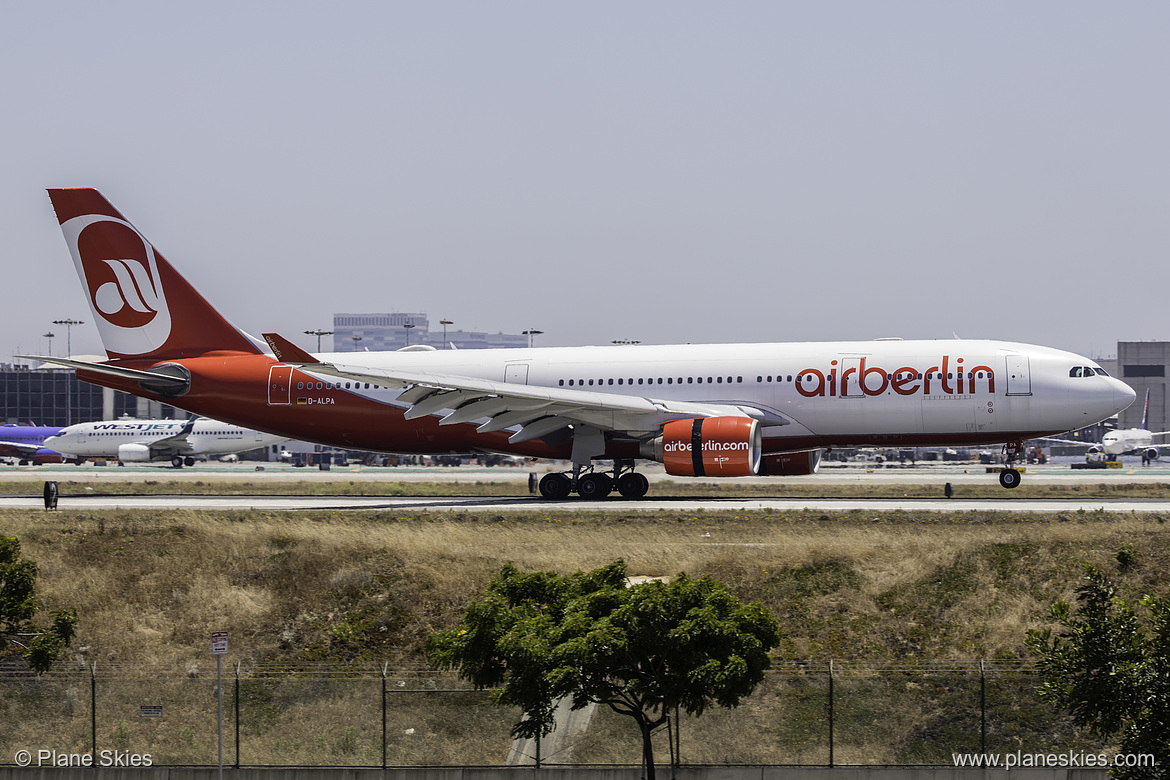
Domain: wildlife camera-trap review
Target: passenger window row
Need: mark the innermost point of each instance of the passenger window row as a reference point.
(711, 380)
(334, 386)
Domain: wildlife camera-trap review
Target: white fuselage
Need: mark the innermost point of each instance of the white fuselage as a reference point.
(1127, 440)
(811, 394)
(157, 439)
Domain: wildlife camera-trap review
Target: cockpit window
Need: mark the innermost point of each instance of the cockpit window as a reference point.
(1100, 371)
(1075, 371)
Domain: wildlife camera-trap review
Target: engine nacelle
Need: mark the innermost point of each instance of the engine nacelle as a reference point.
(791, 464)
(134, 453)
(1096, 449)
(1152, 453)
(708, 447)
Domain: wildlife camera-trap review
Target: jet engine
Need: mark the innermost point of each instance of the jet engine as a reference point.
(791, 464)
(1096, 449)
(1151, 453)
(134, 453)
(708, 447)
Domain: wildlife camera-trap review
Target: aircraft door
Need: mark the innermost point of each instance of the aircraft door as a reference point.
(1019, 378)
(280, 385)
(850, 386)
(516, 373)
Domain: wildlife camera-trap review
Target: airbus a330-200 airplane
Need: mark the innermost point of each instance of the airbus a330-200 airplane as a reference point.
(723, 410)
(143, 441)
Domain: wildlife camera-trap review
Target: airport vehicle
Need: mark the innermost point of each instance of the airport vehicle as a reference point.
(1125, 441)
(723, 410)
(26, 443)
(143, 441)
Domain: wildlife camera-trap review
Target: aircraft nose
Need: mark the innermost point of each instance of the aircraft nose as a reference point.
(1123, 394)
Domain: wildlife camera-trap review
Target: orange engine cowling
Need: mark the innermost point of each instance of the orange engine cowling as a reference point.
(791, 464)
(708, 447)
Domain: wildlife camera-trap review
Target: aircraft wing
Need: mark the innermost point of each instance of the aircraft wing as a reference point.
(24, 449)
(1067, 442)
(538, 411)
(177, 444)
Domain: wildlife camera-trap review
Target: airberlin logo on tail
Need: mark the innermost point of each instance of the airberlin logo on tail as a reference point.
(856, 378)
(120, 270)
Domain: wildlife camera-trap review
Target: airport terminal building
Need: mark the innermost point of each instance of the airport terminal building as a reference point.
(390, 331)
(1143, 366)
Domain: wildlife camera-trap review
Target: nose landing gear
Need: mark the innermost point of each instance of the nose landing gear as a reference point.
(1009, 475)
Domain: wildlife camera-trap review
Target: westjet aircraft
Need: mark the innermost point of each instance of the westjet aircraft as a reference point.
(143, 441)
(724, 410)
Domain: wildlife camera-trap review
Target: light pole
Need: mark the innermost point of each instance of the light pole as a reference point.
(356, 339)
(408, 326)
(69, 322)
(530, 333)
(445, 323)
(318, 333)
(49, 336)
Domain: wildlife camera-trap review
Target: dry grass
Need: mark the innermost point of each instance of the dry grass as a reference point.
(370, 587)
(151, 586)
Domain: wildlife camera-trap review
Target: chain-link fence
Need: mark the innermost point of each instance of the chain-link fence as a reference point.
(814, 713)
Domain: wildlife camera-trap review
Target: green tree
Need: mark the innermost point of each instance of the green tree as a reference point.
(39, 645)
(1110, 667)
(641, 650)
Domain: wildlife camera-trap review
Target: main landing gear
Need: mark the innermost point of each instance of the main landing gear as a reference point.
(178, 461)
(1009, 476)
(594, 485)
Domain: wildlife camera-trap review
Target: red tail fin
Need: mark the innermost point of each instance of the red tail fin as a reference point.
(142, 306)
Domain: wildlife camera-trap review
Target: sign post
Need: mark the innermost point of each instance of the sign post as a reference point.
(219, 648)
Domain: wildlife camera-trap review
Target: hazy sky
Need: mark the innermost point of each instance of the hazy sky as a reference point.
(660, 171)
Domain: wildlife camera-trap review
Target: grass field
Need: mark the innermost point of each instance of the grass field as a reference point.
(892, 588)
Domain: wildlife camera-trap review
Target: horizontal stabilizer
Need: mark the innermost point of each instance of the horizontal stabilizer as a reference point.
(156, 381)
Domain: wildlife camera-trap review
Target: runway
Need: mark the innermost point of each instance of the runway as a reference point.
(648, 504)
(926, 481)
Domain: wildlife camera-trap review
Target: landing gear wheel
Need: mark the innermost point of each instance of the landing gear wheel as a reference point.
(1009, 478)
(633, 485)
(555, 486)
(177, 462)
(188, 461)
(594, 486)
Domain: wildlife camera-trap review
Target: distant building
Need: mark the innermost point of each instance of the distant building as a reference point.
(389, 331)
(1143, 365)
